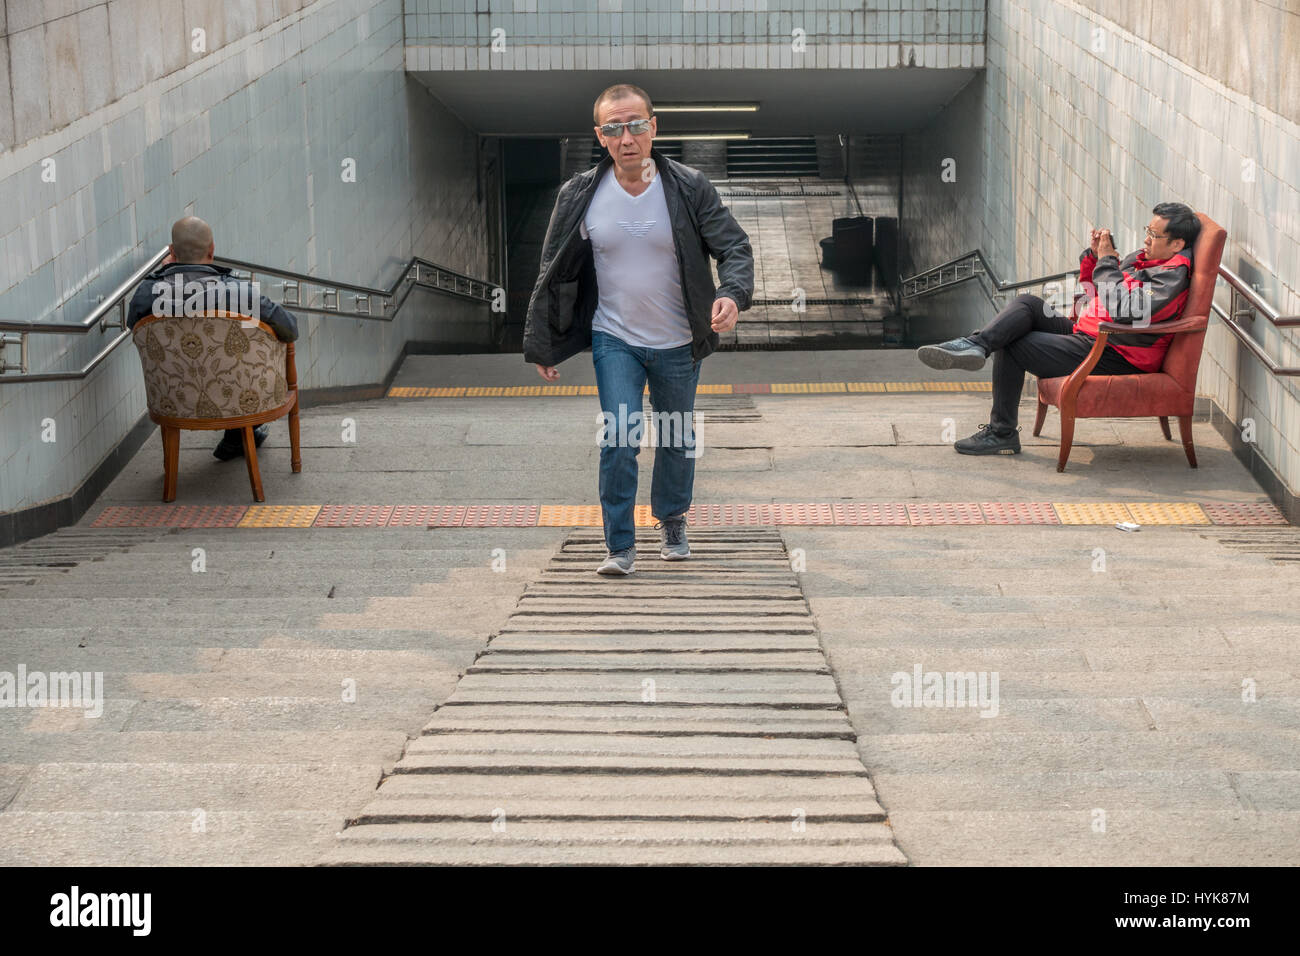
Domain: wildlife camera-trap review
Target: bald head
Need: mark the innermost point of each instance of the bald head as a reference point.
(192, 240)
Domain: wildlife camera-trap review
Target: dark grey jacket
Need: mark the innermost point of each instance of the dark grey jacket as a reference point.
(280, 319)
(565, 295)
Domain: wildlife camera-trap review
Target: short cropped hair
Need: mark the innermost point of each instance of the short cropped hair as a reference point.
(618, 92)
(1182, 222)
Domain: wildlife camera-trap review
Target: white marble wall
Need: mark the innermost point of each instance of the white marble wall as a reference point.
(1079, 121)
(251, 135)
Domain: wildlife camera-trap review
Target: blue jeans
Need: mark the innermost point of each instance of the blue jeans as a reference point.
(622, 371)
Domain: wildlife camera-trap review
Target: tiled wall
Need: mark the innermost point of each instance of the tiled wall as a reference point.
(252, 136)
(1080, 122)
(690, 34)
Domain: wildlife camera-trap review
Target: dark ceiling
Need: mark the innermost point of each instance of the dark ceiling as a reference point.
(791, 102)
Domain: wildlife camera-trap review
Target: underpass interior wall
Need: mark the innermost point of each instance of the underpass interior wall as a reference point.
(252, 136)
(1080, 122)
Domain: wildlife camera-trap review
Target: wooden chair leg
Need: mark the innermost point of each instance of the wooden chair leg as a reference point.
(1164, 427)
(171, 439)
(1067, 439)
(250, 456)
(1042, 416)
(1185, 432)
(295, 450)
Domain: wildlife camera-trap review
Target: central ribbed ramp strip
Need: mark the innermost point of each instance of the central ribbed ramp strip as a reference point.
(683, 715)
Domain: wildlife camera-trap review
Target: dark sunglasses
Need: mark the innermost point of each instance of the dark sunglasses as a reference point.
(637, 127)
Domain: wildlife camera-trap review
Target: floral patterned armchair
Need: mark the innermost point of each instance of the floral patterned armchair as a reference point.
(209, 371)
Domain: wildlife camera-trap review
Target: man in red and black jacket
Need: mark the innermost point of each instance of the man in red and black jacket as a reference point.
(1147, 288)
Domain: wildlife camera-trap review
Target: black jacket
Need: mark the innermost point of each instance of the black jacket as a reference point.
(565, 295)
(149, 291)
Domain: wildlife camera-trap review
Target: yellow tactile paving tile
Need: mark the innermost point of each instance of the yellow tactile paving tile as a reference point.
(1168, 512)
(865, 386)
(977, 386)
(942, 386)
(712, 389)
(904, 386)
(643, 517)
(279, 516)
(806, 388)
(1091, 512)
(561, 516)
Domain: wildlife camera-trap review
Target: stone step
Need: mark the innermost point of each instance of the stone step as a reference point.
(628, 764)
(183, 786)
(590, 789)
(250, 635)
(624, 842)
(497, 661)
(257, 746)
(662, 605)
(667, 576)
(156, 686)
(586, 588)
(776, 690)
(660, 719)
(508, 746)
(653, 642)
(405, 809)
(166, 838)
(652, 623)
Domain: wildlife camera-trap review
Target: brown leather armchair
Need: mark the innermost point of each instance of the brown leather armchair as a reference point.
(210, 372)
(1170, 392)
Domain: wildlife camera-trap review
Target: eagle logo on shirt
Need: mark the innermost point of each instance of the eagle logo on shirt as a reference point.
(637, 228)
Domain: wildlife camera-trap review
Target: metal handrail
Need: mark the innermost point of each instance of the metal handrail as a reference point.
(1241, 288)
(417, 272)
(933, 280)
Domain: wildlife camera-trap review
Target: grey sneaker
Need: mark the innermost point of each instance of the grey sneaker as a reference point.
(618, 562)
(955, 353)
(988, 442)
(672, 538)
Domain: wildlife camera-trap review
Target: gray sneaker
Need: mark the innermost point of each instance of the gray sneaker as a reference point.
(955, 353)
(618, 562)
(672, 539)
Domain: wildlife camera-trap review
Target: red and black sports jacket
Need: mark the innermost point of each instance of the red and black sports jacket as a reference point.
(1138, 291)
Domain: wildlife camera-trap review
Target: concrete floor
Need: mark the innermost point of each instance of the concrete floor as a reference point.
(1121, 690)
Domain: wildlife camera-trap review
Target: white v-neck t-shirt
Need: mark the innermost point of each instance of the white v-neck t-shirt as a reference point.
(640, 288)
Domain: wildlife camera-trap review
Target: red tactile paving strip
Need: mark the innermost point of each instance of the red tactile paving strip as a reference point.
(170, 516)
(706, 515)
(500, 516)
(863, 514)
(1019, 512)
(765, 389)
(803, 514)
(946, 512)
(421, 516)
(353, 516)
(1244, 513)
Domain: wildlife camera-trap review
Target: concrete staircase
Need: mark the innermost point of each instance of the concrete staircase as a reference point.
(682, 715)
(249, 709)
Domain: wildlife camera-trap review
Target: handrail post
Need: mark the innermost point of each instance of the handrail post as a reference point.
(13, 338)
(105, 324)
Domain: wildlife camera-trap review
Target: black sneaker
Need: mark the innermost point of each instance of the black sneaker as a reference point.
(986, 441)
(232, 443)
(955, 353)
